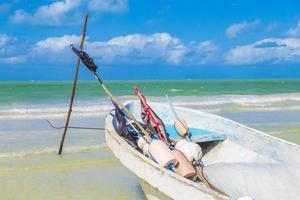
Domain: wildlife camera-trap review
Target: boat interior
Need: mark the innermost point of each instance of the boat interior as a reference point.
(223, 140)
(231, 151)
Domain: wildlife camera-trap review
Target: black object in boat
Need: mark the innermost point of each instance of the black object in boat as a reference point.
(122, 128)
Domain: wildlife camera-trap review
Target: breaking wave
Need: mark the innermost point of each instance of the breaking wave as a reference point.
(93, 108)
(175, 90)
(56, 111)
(244, 100)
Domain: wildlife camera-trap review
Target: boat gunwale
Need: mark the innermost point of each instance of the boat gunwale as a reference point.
(236, 124)
(197, 186)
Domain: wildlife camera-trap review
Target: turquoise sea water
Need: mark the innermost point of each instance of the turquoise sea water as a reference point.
(42, 92)
(87, 170)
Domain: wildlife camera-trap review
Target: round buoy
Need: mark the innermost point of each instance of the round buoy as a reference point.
(184, 167)
(181, 127)
(191, 150)
(146, 149)
(141, 142)
(161, 153)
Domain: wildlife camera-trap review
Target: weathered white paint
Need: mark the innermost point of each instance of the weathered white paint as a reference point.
(243, 145)
(166, 181)
(260, 181)
(241, 141)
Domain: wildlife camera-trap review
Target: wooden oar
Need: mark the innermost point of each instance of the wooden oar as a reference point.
(89, 63)
(119, 103)
(74, 88)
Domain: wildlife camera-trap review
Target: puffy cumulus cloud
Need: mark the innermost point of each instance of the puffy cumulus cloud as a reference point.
(161, 48)
(235, 29)
(295, 31)
(128, 49)
(157, 48)
(66, 12)
(139, 48)
(56, 13)
(267, 51)
(56, 44)
(53, 49)
(131, 49)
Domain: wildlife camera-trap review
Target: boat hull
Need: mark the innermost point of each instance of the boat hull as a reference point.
(243, 145)
(165, 181)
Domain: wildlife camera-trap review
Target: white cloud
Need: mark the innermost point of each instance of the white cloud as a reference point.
(56, 13)
(270, 51)
(295, 31)
(56, 44)
(113, 6)
(129, 49)
(138, 48)
(233, 30)
(8, 49)
(158, 47)
(161, 48)
(236, 29)
(66, 12)
(164, 48)
(54, 49)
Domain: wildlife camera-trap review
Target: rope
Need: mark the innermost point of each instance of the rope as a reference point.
(75, 127)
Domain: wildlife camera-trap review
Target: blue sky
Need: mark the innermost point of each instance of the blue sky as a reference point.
(164, 39)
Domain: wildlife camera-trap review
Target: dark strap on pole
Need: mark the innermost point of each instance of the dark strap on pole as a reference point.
(92, 67)
(74, 87)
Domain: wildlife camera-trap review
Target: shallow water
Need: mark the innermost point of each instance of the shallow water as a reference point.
(87, 169)
(29, 163)
(87, 175)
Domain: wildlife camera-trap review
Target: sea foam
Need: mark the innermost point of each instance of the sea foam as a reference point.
(271, 102)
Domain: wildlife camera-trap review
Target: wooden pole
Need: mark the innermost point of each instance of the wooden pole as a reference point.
(74, 87)
(146, 133)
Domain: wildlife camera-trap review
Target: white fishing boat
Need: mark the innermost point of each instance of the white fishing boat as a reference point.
(238, 162)
(237, 159)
